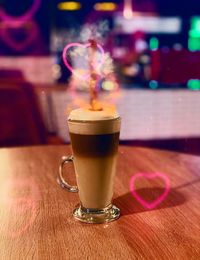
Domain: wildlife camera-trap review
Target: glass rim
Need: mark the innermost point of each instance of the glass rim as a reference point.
(94, 121)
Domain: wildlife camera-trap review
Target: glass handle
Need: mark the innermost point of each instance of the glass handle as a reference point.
(64, 184)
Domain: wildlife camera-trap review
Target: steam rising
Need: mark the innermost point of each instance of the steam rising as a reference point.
(79, 57)
(93, 31)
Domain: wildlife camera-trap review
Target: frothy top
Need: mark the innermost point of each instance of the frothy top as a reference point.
(88, 122)
(85, 114)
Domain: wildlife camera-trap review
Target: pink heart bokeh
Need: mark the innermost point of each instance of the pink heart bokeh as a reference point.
(159, 199)
(76, 44)
(10, 40)
(28, 15)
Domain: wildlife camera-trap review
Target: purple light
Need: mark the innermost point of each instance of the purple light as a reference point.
(25, 17)
(7, 36)
(17, 23)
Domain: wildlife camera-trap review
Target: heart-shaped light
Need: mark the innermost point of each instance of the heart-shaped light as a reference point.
(28, 15)
(96, 65)
(12, 42)
(159, 199)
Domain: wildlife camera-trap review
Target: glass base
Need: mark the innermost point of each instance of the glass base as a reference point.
(96, 216)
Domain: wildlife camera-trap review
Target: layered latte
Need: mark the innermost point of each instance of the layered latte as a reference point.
(94, 138)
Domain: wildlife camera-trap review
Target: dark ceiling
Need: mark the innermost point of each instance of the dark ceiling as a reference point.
(166, 7)
(49, 16)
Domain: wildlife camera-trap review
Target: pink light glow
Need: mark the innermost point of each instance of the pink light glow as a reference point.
(159, 199)
(95, 65)
(8, 38)
(12, 22)
(25, 17)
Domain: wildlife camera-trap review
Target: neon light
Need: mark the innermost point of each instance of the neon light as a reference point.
(69, 6)
(194, 33)
(159, 199)
(194, 44)
(153, 84)
(9, 21)
(95, 65)
(108, 6)
(25, 17)
(153, 43)
(195, 23)
(31, 34)
(193, 84)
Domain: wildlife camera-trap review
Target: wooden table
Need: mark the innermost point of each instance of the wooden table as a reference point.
(36, 214)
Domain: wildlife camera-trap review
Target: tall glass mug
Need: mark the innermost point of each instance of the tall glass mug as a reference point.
(94, 137)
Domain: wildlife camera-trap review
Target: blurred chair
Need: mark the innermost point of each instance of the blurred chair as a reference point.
(21, 122)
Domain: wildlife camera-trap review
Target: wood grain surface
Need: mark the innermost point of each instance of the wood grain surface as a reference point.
(36, 214)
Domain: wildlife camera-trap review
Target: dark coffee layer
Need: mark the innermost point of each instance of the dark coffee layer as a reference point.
(94, 145)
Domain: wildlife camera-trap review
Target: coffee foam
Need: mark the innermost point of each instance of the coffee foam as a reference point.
(87, 122)
(85, 114)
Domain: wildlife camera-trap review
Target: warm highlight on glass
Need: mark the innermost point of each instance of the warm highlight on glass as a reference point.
(95, 147)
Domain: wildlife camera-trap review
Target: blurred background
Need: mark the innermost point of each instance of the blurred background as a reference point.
(155, 50)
